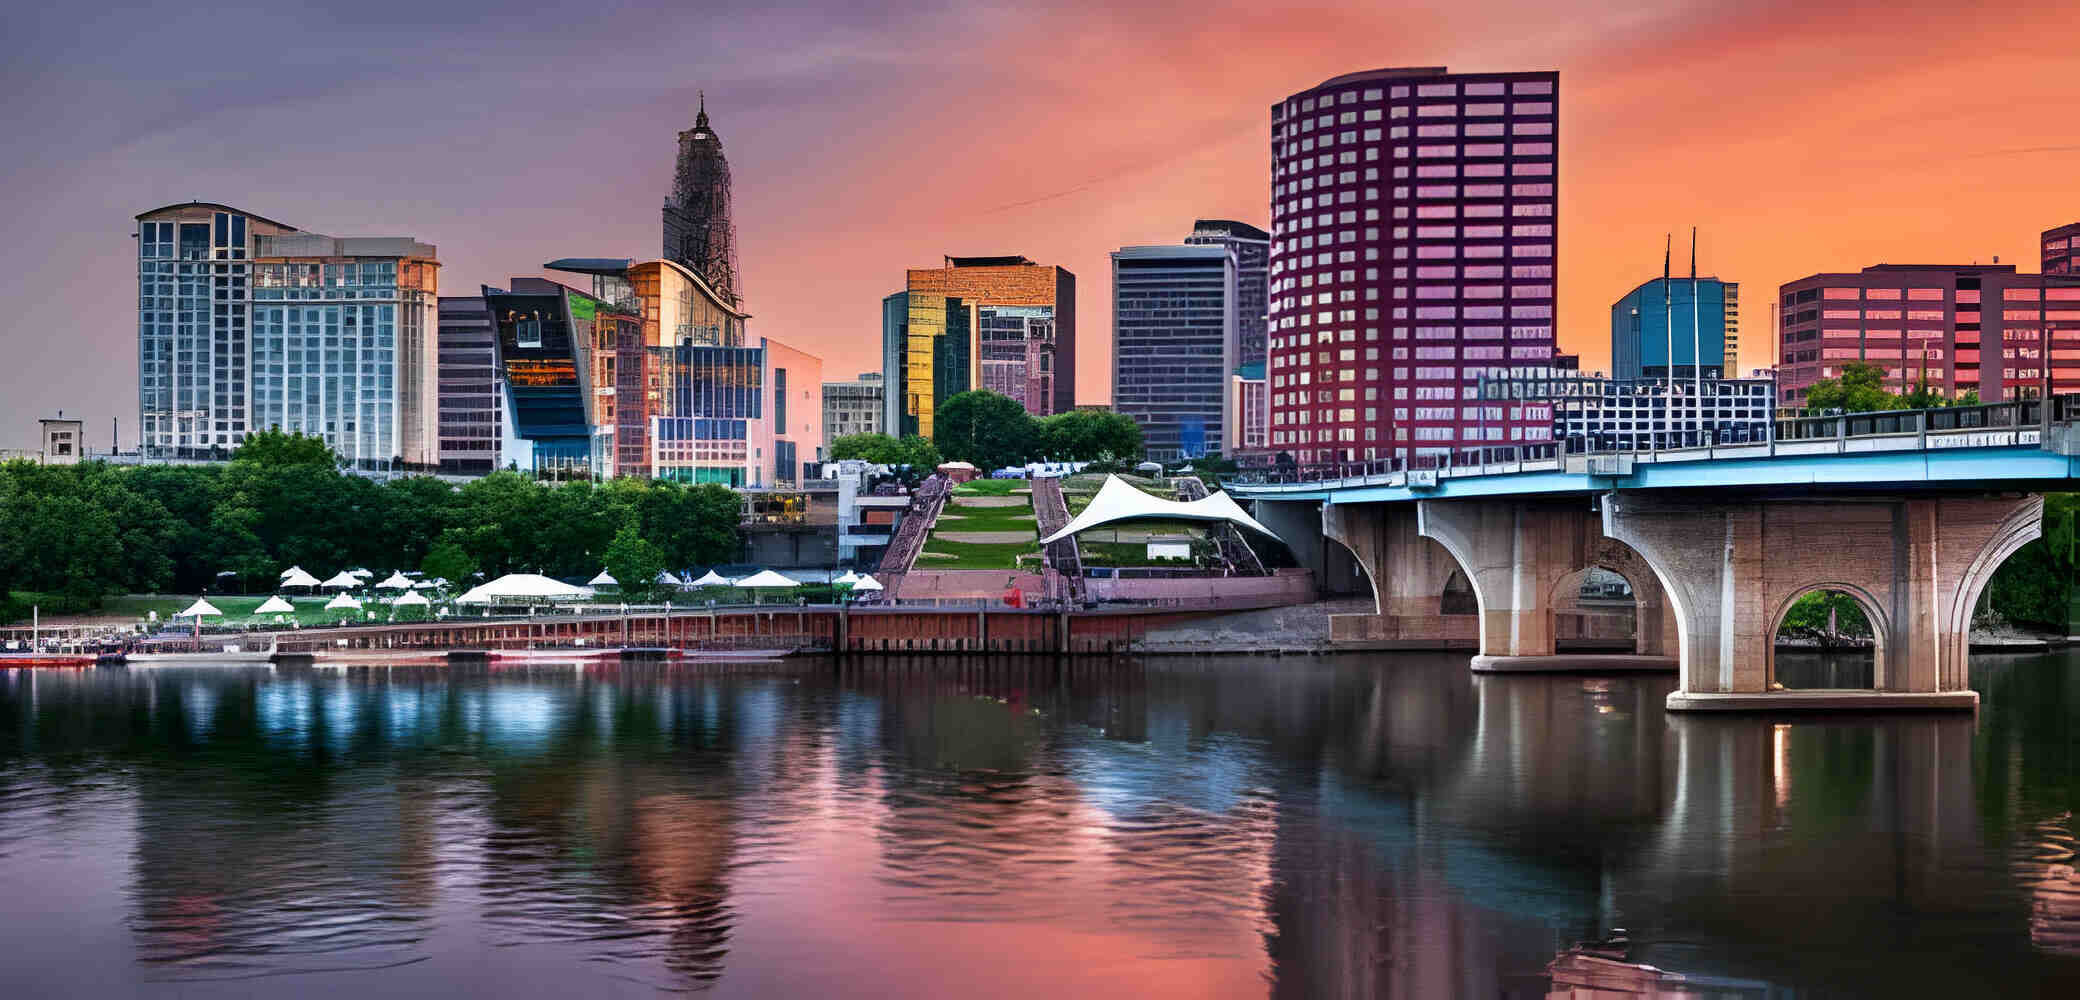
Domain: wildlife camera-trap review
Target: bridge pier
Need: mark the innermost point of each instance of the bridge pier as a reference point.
(1525, 560)
(1407, 572)
(1732, 570)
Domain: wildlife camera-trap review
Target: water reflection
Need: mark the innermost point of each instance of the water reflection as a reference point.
(1353, 826)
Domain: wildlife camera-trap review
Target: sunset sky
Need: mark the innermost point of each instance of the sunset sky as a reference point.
(1798, 137)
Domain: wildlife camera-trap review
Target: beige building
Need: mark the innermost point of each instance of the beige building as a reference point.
(64, 441)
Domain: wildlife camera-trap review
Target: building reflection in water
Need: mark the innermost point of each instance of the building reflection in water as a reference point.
(1346, 826)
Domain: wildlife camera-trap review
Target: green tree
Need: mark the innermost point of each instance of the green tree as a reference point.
(1969, 397)
(447, 561)
(985, 428)
(633, 562)
(1859, 389)
(880, 449)
(272, 447)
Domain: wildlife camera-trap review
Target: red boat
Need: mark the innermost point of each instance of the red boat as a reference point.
(8, 660)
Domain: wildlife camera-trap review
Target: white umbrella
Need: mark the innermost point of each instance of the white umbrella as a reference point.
(274, 606)
(603, 580)
(766, 578)
(343, 581)
(867, 583)
(342, 601)
(713, 579)
(296, 577)
(200, 607)
(395, 581)
(410, 600)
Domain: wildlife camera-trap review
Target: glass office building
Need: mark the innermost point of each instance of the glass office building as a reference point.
(1173, 346)
(245, 324)
(1641, 324)
(471, 395)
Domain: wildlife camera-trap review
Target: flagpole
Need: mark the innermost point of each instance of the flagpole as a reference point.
(1668, 323)
(1696, 338)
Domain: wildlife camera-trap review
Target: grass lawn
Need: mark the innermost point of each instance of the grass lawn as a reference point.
(992, 487)
(955, 518)
(976, 555)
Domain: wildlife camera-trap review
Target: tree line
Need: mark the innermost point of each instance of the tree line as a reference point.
(993, 431)
(75, 533)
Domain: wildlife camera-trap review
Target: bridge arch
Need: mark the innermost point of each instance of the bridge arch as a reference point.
(1873, 612)
(1648, 614)
(2023, 525)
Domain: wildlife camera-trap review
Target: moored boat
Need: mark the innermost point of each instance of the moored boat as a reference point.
(11, 660)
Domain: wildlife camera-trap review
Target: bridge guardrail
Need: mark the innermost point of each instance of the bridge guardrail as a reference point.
(2010, 424)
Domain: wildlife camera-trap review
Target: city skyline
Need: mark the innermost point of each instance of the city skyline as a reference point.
(1639, 162)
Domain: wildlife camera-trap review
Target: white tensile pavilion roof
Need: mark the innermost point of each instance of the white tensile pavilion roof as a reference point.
(523, 587)
(1117, 501)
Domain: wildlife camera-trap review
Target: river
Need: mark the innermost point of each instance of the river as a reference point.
(1376, 825)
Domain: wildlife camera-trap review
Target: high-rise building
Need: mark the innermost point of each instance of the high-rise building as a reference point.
(1642, 318)
(895, 340)
(471, 396)
(1412, 252)
(853, 407)
(999, 323)
(245, 324)
(1173, 345)
(699, 232)
(1957, 328)
(1252, 249)
(2062, 249)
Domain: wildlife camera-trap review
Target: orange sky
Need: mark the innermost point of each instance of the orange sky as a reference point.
(1796, 140)
(1799, 138)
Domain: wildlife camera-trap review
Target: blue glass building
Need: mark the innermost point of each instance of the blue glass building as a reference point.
(1640, 323)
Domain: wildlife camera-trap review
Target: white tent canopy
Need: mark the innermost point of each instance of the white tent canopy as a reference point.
(342, 581)
(603, 580)
(395, 581)
(1116, 501)
(522, 587)
(200, 607)
(296, 577)
(766, 578)
(425, 585)
(712, 579)
(274, 606)
(342, 601)
(410, 600)
(849, 578)
(362, 573)
(867, 583)
(666, 579)
(293, 569)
